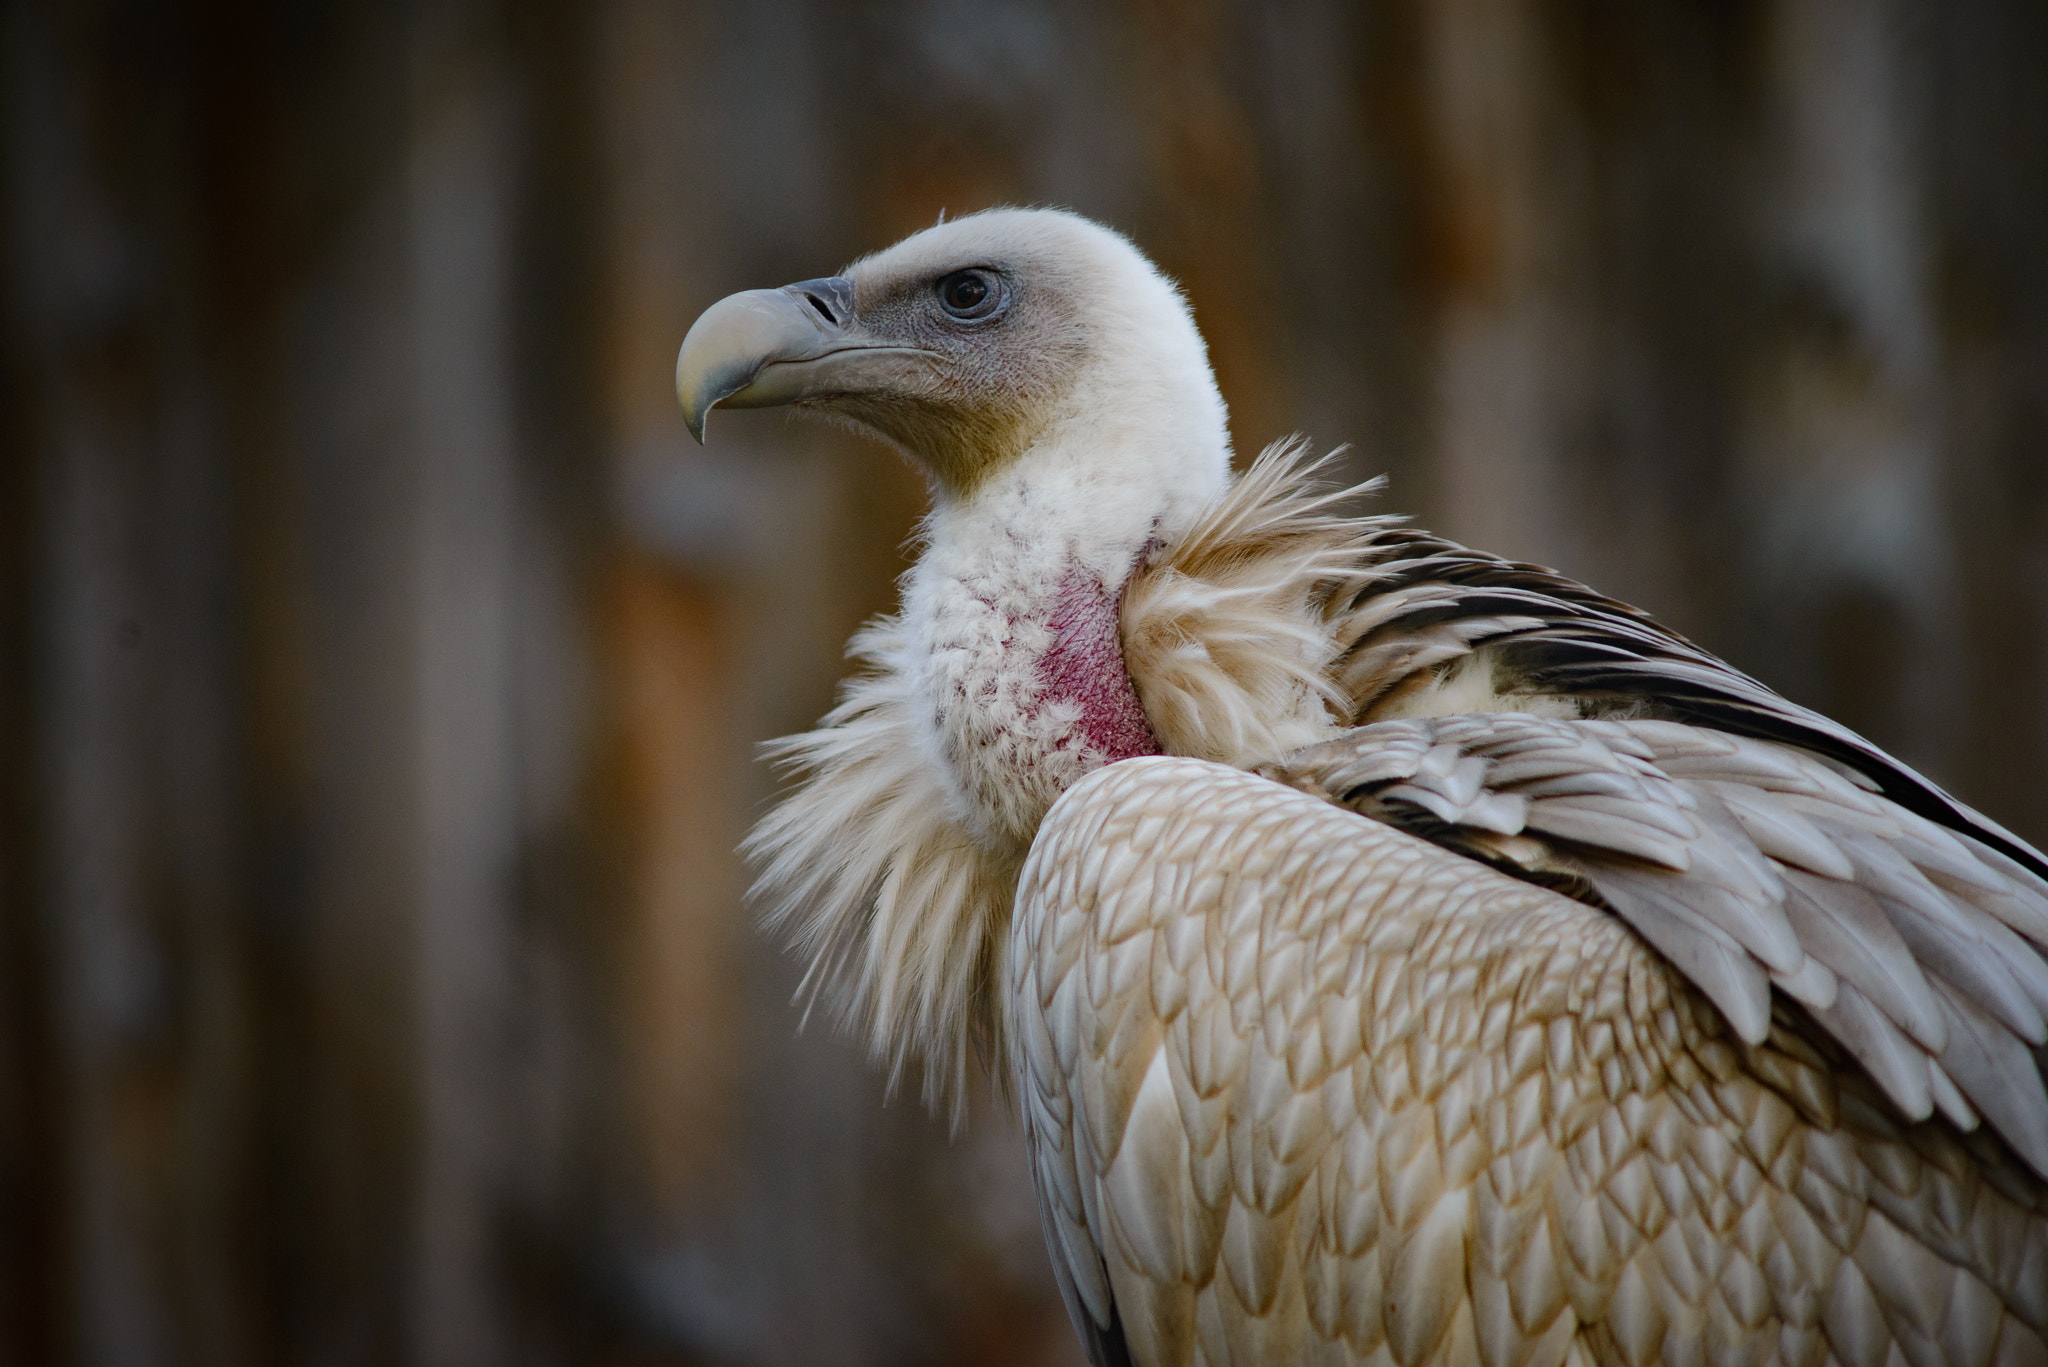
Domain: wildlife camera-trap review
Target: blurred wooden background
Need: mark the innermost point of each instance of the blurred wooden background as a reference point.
(380, 665)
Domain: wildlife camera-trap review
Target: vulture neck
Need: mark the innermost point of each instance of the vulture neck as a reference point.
(1014, 607)
(893, 862)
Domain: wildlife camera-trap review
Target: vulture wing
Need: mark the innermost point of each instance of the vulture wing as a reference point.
(1919, 949)
(1300, 1086)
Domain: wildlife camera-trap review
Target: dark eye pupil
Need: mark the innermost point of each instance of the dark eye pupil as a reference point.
(965, 290)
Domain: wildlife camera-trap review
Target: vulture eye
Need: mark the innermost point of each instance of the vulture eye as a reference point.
(969, 294)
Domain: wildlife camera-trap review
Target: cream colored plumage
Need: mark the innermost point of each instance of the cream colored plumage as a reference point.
(1399, 955)
(1301, 1089)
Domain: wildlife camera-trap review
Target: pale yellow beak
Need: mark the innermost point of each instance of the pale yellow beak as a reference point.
(760, 348)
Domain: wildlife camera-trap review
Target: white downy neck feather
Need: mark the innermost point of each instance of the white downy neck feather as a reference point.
(892, 863)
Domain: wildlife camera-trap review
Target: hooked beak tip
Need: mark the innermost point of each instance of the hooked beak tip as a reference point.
(741, 335)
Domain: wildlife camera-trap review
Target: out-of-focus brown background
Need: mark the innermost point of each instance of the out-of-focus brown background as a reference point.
(380, 664)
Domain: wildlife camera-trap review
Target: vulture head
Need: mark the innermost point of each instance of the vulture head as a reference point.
(973, 343)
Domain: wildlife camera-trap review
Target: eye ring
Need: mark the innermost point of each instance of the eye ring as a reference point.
(970, 295)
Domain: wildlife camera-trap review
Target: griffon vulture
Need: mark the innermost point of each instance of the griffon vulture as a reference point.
(1399, 955)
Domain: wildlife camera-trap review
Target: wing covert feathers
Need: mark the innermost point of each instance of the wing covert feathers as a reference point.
(1300, 1086)
(1420, 626)
(1916, 949)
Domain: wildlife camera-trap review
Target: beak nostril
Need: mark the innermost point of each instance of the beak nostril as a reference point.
(831, 300)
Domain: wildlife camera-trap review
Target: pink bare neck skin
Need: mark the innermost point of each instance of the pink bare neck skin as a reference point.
(1085, 665)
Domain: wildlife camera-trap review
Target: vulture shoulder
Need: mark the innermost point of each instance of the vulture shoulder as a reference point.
(1305, 1085)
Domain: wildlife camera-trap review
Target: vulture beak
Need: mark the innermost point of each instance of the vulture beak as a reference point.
(760, 348)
